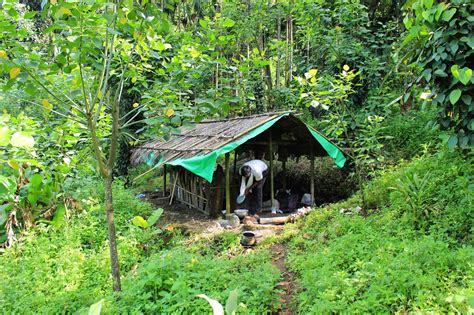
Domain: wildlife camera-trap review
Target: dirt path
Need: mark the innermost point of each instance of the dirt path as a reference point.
(287, 285)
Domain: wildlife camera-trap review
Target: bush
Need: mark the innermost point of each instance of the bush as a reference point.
(377, 265)
(414, 254)
(168, 283)
(67, 267)
(433, 192)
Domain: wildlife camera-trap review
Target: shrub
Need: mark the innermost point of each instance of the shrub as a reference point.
(168, 282)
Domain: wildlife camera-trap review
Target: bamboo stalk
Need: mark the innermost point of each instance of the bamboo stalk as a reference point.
(227, 183)
(312, 176)
(174, 187)
(272, 192)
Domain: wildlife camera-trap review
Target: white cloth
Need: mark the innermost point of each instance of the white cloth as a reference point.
(257, 168)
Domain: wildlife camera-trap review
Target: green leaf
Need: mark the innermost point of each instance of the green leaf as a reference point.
(203, 23)
(453, 140)
(465, 75)
(454, 96)
(7, 185)
(428, 3)
(4, 213)
(35, 180)
(155, 216)
(448, 14)
(231, 304)
(140, 222)
(58, 218)
(441, 73)
(455, 71)
(228, 22)
(4, 136)
(21, 139)
(96, 308)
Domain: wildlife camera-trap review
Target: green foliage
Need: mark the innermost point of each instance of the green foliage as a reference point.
(433, 193)
(68, 267)
(168, 282)
(441, 40)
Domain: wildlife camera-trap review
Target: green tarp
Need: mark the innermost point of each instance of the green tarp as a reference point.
(204, 165)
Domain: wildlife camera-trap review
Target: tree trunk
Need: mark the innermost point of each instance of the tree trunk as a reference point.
(109, 210)
(277, 71)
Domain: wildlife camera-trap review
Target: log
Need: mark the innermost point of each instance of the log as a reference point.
(274, 220)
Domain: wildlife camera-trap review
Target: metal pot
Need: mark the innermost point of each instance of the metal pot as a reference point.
(248, 239)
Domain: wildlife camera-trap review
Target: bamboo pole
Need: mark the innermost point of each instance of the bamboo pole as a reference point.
(174, 187)
(312, 175)
(227, 183)
(164, 180)
(272, 192)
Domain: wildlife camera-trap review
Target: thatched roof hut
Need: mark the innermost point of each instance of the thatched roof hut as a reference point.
(197, 148)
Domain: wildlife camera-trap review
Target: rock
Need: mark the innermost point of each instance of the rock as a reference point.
(234, 220)
(250, 220)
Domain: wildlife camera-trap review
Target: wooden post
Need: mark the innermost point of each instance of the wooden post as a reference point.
(283, 181)
(235, 162)
(227, 183)
(272, 192)
(164, 180)
(312, 176)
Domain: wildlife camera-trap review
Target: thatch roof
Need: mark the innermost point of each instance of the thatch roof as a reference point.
(200, 139)
(198, 148)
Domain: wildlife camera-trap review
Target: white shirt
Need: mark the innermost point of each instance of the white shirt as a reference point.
(257, 168)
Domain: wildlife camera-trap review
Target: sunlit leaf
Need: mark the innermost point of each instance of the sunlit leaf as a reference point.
(21, 139)
(140, 222)
(4, 136)
(169, 112)
(65, 11)
(3, 54)
(47, 105)
(96, 308)
(14, 72)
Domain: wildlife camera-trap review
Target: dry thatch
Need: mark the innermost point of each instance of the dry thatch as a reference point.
(202, 138)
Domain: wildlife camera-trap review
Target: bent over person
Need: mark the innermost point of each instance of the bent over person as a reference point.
(254, 174)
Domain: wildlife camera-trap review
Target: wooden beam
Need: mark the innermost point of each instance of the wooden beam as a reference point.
(227, 183)
(272, 192)
(312, 175)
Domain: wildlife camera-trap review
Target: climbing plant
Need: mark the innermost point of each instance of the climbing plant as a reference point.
(440, 41)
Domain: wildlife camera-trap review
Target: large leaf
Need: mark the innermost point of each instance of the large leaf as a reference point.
(140, 222)
(21, 139)
(4, 209)
(7, 186)
(154, 216)
(231, 304)
(96, 308)
(453, 140)
(454, 96)
(36, 180)
(217, 308)
(448, 14)
(465, 75)
(58, 218)
(4, 136)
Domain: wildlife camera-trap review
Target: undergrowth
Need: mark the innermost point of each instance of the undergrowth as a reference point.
(412, 254)
(66, 269)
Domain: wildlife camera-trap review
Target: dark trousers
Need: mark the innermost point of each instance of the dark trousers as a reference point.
(256, 197)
